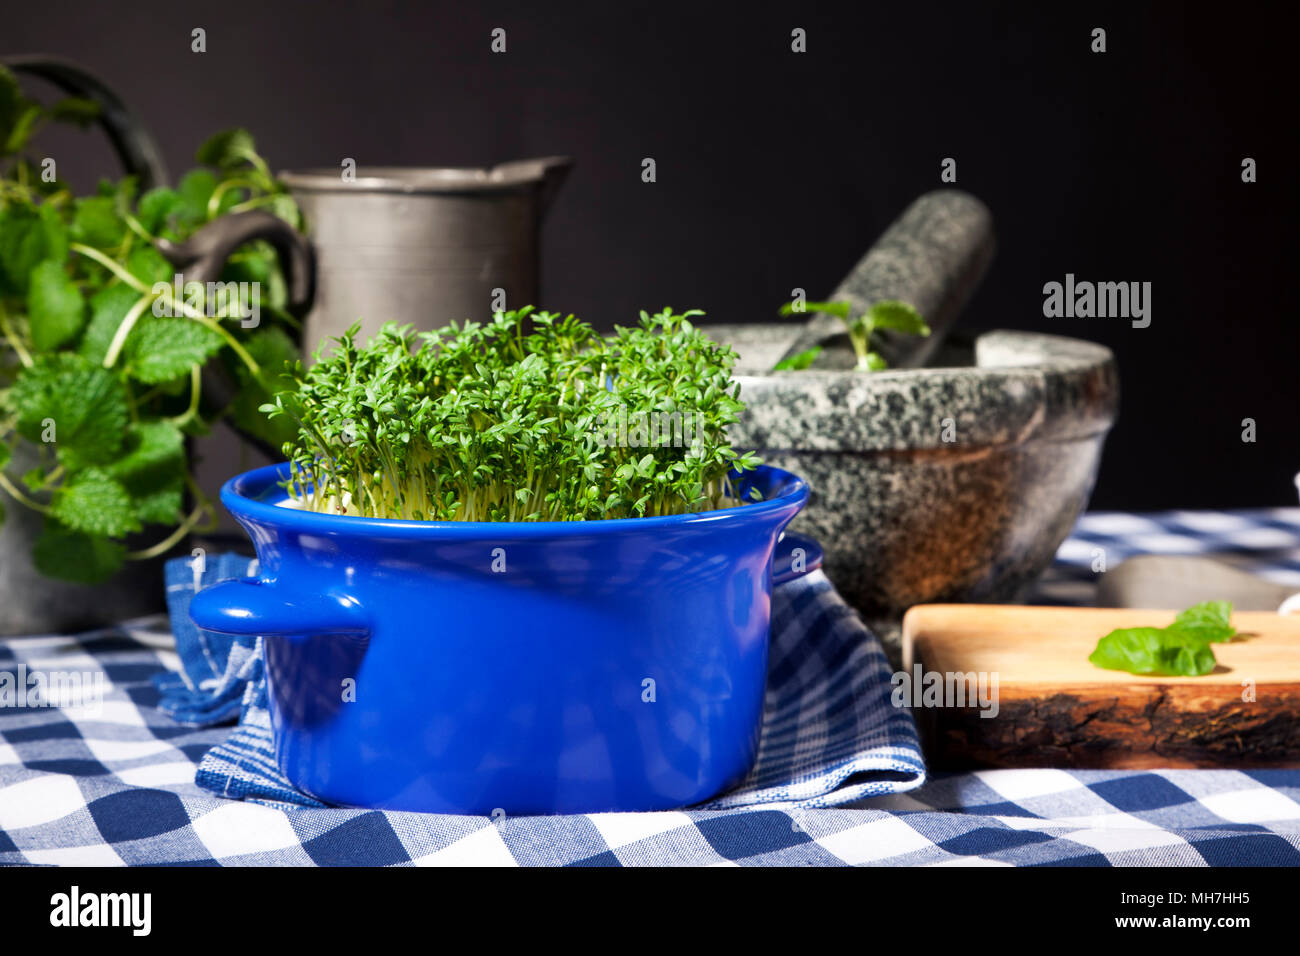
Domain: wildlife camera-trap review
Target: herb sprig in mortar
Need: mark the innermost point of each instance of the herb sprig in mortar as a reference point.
(490, 422)
(885, 314)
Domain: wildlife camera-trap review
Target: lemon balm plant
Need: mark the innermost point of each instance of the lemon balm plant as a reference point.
(101, 361)
(511, 421)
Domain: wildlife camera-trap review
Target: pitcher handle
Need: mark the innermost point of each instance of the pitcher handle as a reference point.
(135, 148)
(203, 256)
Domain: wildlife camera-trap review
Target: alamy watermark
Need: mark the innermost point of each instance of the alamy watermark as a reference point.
(242, 300)
(24, 687)
(133, 911)
(922, 688)
(676, 429)
(1086, 300)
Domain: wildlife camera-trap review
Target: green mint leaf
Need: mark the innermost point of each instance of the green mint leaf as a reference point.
(83, 405)
(155, 206)
(96, 223)
(284, 206)
(875, 362)
(271, 348)
(108, 307)
(34, 478)
(28, 236)
(898, 316)
(799, 361)
(149, 266)
(92, 502)
(6, 453)
(61, 552)
(194, 190)
(152, 457)
(160, 506)
(838, 309)
(161, 348)
(226, 150)
(75, 109)
(22, 127)
(55, 310)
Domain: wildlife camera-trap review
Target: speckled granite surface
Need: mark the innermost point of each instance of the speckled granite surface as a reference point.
(936, 484)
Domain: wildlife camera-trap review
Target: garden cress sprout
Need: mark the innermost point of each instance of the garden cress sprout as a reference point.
(523, 418)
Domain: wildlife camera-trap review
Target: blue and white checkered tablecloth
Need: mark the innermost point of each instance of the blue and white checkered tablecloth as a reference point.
(117, 786)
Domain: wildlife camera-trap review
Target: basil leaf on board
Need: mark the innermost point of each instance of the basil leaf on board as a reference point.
(1209, 620)
(1180, 650)
(1153, 650)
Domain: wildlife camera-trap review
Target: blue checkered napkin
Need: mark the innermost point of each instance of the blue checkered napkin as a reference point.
(115, 784)
(216, 669)
(1262, 541)
(830, 734)
(1092, 818)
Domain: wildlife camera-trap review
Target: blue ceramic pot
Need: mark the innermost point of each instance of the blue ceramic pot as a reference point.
(545, 667)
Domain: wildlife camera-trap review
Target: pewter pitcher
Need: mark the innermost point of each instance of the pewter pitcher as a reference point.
(423, 246)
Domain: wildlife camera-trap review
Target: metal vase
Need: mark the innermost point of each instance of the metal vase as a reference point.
(32, 603)
(423, 246)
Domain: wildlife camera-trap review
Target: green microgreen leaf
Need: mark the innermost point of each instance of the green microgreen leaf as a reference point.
(530, 417)
(886, 314)
(838, 309)
(898, 316)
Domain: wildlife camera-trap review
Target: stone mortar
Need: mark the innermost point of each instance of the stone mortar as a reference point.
(934, 484)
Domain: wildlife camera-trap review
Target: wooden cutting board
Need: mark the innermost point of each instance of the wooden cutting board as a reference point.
(1056, 709)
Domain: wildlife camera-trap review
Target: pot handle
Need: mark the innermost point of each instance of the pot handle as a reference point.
(796, 554)
(202, 258)
(262, 608)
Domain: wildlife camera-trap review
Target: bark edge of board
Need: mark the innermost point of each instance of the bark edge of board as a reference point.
(1103, 720)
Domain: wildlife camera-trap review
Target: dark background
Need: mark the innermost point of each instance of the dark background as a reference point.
(778, 170)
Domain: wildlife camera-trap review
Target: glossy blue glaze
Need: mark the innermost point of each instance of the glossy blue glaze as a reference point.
(510, 665)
